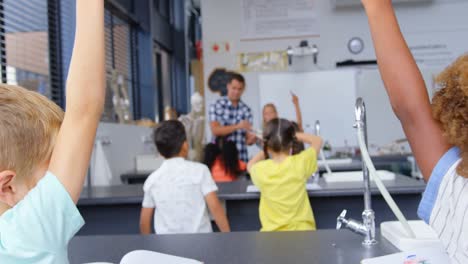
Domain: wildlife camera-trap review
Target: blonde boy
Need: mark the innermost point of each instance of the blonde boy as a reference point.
(44, 154)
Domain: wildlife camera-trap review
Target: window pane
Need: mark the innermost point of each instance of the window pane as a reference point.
(118, 59)
(26, 44)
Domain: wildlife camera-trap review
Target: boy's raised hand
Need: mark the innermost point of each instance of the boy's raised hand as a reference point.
(84, 99)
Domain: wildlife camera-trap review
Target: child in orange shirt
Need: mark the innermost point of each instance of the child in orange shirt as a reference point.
(223, 160)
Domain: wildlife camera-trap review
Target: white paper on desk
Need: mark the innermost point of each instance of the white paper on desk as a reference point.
(99, 263)
(431, 255)
(309, 187)
(151, 257)
(252, 188)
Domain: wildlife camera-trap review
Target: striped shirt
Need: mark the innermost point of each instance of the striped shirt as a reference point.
(445, 206)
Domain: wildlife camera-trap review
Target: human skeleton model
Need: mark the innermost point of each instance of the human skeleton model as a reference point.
(194, 123)
(120, 97)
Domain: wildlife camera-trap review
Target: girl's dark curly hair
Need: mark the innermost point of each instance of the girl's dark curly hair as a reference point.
(450, 107)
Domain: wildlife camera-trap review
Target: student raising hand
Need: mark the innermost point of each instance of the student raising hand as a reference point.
(438, 133)
(44, 154)
(405, 86)
(297, 108)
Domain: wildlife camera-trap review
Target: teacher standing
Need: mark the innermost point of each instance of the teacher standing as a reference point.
(230, 117)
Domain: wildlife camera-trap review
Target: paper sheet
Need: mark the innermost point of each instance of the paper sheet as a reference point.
(151, 257)
(431, 255)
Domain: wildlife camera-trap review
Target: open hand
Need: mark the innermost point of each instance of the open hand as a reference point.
(295, 99)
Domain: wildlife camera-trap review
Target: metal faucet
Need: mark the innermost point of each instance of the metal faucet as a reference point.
(316, 175)
(317, 128)
(367, 227)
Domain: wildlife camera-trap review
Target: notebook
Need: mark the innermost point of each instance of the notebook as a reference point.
(151, 257)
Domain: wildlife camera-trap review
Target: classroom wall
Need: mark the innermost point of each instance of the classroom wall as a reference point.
(440, 22)
(121, 145)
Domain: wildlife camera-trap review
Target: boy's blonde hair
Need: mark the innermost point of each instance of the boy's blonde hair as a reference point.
(29, 124)
(450, 107)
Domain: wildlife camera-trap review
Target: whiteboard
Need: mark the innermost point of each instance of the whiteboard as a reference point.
(328, 96)
(383, 127)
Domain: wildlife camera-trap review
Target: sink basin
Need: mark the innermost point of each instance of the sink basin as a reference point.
(332, 162)
(309, 187)
(425, 236)
(355, 176)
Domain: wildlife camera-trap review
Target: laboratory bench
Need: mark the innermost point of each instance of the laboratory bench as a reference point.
(395, 163)
(322, 246)
(116, 209)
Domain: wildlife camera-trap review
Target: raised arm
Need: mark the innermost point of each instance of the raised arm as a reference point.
(297, 108)
(259, 157)
(405, 86)
(85, 99)
(315, 142)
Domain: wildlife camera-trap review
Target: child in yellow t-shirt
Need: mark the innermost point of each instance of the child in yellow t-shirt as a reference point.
(281, 178)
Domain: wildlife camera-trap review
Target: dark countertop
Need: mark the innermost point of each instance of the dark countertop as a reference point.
(356, 164)
(131, 194)
(322, 246)
(401, 185)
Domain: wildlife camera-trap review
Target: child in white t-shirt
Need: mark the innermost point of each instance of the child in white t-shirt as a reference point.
(180, 190)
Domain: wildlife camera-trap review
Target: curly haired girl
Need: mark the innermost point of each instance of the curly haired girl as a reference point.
(438, 134)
